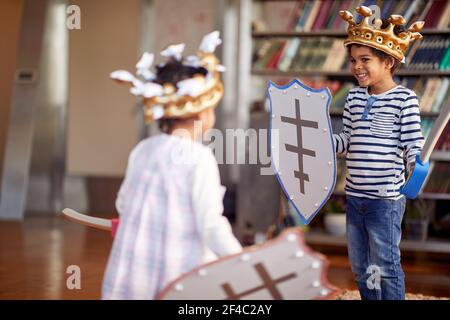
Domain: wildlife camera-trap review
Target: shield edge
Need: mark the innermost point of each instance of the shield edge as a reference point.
(334, 290)
(321, 90)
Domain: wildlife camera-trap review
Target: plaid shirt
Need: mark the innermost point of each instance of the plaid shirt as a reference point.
(171, 221)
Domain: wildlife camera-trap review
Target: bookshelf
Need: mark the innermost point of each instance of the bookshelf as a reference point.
(330, 33)
(345, 74)
(320, 30)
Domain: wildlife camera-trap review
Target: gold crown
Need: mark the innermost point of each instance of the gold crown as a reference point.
(185, 106)
(382, 39)
(189, 96)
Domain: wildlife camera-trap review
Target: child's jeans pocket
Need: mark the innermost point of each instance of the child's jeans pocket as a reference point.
(382, 125)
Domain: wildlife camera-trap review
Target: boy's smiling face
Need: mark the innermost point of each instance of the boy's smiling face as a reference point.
(369, 69)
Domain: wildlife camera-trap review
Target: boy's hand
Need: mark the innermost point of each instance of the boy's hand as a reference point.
(410, 168)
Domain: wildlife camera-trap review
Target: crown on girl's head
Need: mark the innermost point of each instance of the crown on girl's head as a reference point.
(374, 36)
(181, 87)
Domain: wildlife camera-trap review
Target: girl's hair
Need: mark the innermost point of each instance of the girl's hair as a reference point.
(165, 125)
(172, 72)
(380, 54)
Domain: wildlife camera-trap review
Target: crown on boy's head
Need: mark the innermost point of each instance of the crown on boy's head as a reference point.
(181, 87)
(374, 36)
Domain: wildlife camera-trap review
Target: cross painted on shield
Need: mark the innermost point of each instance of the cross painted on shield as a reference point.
(299, 149)
(298, 273)
(268, 283)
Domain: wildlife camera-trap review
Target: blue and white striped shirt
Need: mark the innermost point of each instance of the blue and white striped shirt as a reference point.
(380, 146)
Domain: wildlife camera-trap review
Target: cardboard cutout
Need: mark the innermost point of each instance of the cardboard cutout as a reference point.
(302, 149)
(280, 269)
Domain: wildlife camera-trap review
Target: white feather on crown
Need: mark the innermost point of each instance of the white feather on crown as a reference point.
(190, 95)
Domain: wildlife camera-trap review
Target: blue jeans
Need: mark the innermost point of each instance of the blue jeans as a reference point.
(373, 235)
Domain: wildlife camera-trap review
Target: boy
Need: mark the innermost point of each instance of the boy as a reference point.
(381, 132)
(170, 203)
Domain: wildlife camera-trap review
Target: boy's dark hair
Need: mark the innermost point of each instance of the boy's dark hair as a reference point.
(380, 54)
(172, 72)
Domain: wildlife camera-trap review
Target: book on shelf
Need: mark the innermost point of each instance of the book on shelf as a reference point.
(388, 6)
(275, 59)
(304, 54)
(435, 102)
(324, 11)
(266, 52)
(435, 12)
(313, 14)
(333, 14)
(260, 49)
(303, 16)
(439, 179)
(426, 125)
(430, 54)
(422, 10)
(431, 89)
(294, 19)
(442, 95)
(319, 54)
(445, 20)
(445, 63)
(433, 92)
(443, 143)
(337, 23)
(337, 56)
(292, 48)
(411, 9)
(340, 96)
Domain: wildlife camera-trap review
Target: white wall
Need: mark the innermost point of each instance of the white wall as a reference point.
(102, 127)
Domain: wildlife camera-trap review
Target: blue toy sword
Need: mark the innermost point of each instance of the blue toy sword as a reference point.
(418, 174)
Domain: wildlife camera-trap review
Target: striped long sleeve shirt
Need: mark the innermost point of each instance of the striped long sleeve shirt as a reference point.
(381, 145)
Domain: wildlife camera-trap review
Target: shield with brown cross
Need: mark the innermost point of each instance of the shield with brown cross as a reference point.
(302, 149)
(280, 269)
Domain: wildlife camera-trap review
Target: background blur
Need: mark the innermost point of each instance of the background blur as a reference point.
(66, 129)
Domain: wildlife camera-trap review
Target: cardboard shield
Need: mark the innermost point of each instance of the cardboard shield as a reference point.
(280, 269)
(302, 148)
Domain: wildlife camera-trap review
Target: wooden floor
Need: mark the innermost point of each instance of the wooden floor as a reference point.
(35, 254)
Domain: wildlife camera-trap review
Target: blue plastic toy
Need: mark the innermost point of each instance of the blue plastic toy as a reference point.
(417, 176)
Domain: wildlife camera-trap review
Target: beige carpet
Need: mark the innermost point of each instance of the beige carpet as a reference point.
(354, 295)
